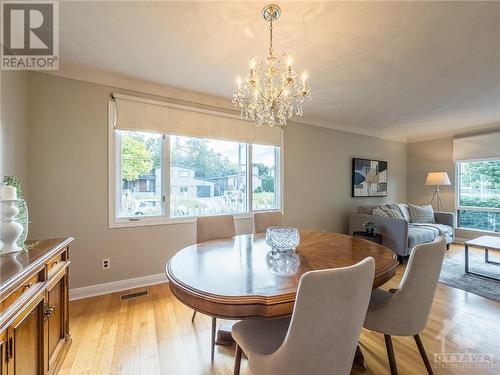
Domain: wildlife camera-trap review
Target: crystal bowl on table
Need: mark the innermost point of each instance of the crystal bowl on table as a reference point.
(282, 239)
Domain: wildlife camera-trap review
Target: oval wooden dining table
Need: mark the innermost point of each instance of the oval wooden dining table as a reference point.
(232, 278)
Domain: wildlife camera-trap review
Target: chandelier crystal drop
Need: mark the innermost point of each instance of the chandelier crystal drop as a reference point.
(271, 92)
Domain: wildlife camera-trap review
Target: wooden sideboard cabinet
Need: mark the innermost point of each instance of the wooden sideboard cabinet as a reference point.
(34, 308)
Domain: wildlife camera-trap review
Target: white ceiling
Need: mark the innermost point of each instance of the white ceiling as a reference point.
(399, 70)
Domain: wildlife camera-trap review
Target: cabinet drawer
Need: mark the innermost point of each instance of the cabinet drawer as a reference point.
(30, 283)
(56, 262)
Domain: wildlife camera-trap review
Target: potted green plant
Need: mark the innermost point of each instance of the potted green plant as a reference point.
(369, 227)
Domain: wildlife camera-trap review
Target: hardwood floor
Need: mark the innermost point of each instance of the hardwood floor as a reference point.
(154, 335)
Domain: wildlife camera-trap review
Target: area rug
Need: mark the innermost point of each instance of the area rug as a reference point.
(453, 274)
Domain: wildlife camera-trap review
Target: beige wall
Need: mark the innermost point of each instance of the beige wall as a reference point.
(430, 156)
(14, 126)
(68, 176)
(318, 168)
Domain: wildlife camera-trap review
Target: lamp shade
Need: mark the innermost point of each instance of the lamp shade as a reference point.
(437, 178)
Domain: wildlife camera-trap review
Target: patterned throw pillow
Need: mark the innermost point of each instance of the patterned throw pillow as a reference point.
(421, 214)
(393, 211)
(387, 211)
(379, 211)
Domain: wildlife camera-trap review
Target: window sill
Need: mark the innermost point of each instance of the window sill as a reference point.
(164, 221)
(148, 222)
(480, 231)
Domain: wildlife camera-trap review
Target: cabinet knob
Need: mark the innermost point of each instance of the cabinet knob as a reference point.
(47, 311)
(27, 286)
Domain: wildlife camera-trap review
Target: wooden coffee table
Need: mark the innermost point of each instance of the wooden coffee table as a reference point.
(487, 243)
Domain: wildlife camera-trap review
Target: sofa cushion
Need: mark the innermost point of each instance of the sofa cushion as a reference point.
(421, 234)
(444, 230)
(421, 214)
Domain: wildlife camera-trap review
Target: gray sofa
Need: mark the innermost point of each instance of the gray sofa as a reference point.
(400, 235)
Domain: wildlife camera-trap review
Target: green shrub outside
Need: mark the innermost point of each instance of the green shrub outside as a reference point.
(477, 202)
(479, 220)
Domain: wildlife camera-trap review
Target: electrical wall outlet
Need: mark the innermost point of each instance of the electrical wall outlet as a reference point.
(106, 263)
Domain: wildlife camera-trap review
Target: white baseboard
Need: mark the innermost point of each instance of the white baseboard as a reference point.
(115, 286)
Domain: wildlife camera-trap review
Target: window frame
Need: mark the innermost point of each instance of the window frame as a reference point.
(459, 208)
(277, 183)
(114, 175)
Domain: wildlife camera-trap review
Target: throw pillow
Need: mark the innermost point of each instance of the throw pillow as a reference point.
(403, 207)
(379, 211)
(393, 211)
(421, 214)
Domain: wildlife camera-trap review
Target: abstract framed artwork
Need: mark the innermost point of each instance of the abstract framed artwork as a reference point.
(369, 178)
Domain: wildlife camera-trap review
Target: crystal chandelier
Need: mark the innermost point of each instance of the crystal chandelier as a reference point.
(270, 93)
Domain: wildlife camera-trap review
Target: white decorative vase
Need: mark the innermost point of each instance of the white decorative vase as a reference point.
(10, 229)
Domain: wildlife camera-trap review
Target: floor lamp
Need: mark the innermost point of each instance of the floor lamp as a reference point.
(437, 179)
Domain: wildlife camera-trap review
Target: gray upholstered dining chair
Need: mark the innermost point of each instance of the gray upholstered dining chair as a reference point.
(404, 311)
(322, 334)
(264, 220)
(213, 228)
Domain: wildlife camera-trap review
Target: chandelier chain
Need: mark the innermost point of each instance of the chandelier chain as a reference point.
(271, 37)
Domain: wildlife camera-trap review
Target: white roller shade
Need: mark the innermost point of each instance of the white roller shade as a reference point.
(148, 115)
(476, 147)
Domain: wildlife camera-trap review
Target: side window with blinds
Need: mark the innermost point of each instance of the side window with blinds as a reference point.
(479, 195)
(477, 158)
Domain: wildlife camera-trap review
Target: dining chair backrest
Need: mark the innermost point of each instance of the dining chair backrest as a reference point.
(264, 220)
(411, 304)
(326, 322)
(214, 228)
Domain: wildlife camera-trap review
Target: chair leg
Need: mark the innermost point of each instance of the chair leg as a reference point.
(421, 349)
(237, 360)
(214, 324)
(390, 355)
(194, 315)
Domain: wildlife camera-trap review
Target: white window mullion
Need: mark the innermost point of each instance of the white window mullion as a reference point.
(250, 178)
(277, 178)
(165, 191)
(118, 173)
(458, 184)
(478, 209)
